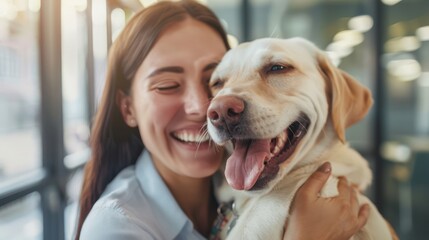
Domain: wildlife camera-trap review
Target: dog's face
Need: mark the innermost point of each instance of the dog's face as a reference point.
(272, 99)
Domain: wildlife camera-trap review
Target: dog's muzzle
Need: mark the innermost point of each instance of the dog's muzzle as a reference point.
(225, 113)
(255, 159)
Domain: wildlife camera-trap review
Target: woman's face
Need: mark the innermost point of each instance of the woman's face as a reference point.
(169, 99)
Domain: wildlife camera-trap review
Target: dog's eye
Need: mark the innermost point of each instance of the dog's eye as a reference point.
(217, 84)
(278, 68)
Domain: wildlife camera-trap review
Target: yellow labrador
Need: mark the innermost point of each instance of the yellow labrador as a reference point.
(285, 108)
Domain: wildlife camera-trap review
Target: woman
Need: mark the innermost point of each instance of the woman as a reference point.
(150, 174)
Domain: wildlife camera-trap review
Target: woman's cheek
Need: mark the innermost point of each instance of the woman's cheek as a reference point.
(164, 110)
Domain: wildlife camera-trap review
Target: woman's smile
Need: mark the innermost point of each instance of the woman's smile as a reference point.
(191, 137)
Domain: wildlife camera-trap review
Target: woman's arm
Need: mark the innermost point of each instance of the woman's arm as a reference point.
(312, 217)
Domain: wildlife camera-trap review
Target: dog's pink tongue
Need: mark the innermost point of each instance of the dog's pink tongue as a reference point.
(246, 163)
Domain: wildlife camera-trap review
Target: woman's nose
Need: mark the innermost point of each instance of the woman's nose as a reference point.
(197, 101)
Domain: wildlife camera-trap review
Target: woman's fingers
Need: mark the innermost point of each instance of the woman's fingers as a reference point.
(316, 181)
(334, 218)
(343, 188)
(354, 200)
(363, 215)
(349, 195)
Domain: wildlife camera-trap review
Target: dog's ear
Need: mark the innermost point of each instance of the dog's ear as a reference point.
(348, 100)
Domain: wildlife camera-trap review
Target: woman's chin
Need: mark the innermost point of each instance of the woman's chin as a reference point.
(202, 166)
(197, 160)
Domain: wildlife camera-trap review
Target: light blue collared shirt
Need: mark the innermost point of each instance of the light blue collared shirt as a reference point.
(138, 205)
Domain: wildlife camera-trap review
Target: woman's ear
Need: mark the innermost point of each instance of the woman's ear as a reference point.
(123, 101)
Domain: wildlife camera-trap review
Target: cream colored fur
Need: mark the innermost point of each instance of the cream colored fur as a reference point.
(329, 97)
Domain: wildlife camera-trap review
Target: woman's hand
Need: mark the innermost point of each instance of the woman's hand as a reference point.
(313, 217)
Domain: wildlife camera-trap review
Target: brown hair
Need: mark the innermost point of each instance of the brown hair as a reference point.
(114, 144)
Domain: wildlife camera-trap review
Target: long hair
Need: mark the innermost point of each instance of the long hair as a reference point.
(115, 145)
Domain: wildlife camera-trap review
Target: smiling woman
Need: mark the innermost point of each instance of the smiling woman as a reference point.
(156, 99)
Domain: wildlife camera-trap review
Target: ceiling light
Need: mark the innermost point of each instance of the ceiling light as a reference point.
(361, 23)
(390, 2)
(423, 33)
(349, 37)
(404, 69)
(341, 48)
(402, 44)
(395, 151)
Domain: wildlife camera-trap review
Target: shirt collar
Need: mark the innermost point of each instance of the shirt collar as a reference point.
(170, 213)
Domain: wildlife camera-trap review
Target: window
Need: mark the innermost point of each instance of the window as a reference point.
(74, 39)
(20, 139)
(20, 128)
(47, 95)
(22, 219)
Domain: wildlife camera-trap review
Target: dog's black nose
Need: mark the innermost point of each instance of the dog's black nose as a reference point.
(225, 110)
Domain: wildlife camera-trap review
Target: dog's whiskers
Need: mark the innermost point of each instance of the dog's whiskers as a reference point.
(290, 129)
(300, 123)
(217, 148)
(202, 133)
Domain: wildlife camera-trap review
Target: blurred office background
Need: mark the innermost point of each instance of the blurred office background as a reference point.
(52, 64)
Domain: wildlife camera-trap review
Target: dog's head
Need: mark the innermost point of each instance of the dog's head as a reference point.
(273, 98)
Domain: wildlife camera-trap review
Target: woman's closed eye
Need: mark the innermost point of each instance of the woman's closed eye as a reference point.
(167, 87)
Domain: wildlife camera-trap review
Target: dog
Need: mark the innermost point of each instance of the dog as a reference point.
(285, 108)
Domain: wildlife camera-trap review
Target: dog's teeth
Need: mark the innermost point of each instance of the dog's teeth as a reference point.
(279, 145)
(298, 133)
(276, 150)
(282, 137)
(280, 142)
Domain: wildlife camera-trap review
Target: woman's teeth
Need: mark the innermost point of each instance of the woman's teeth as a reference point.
(192, 137)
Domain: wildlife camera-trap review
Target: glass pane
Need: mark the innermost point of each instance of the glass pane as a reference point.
(99, 36)
(406, 146)
(73, 192)
(19, 87)
(230, 14)
(22, 219)
(74, 75)
(118, 18)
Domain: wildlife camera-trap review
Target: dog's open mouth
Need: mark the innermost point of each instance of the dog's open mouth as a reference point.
(255, 162)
